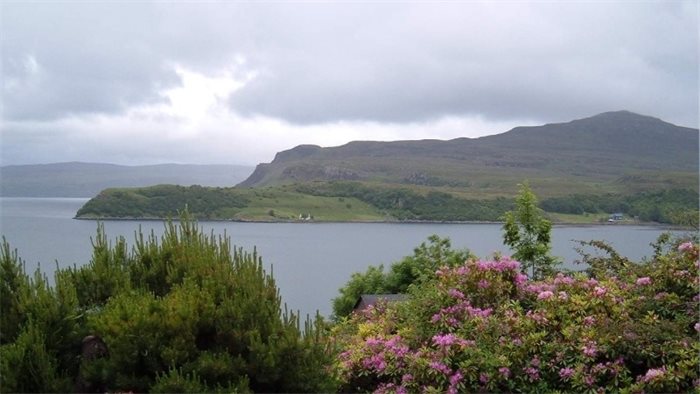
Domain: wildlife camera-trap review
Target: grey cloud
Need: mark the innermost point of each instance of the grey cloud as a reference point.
(504, 61)
(386, 62)
(91, 57)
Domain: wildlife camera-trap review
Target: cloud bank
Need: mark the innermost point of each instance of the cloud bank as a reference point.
(234, 82)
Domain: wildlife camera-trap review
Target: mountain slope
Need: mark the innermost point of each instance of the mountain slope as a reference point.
(87, 179)
(613, 152)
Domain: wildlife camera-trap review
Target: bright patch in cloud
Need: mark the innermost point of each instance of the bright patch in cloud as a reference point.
(195, 125)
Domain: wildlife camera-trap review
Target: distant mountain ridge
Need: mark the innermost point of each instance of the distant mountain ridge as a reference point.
(619, 149)
(77, 179)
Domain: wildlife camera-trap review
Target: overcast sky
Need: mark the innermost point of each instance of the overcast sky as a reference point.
(234, 82)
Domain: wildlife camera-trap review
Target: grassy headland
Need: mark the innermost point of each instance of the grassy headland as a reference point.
(369, 202)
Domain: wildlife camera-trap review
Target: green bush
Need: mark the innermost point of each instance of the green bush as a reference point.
(411, 270)
(485, 327)
(183, 312)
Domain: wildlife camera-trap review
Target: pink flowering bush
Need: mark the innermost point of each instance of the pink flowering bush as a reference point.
(484, 326)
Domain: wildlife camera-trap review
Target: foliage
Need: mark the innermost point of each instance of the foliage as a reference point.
(674, 206)
(368, 201)
(184, 312)
(162, 201)
(232, 203)
(41, 328)
(406, 204)
(484, 327)
(401, 275)
(528, 233)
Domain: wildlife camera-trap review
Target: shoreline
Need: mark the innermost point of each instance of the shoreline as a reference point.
(554, 224)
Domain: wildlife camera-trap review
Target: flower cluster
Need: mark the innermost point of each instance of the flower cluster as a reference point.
(484, 326)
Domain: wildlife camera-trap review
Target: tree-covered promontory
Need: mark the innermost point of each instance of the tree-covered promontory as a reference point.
(347, 201)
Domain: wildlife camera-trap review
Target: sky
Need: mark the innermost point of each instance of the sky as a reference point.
(227, 82)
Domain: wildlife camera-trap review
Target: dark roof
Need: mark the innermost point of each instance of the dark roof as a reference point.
(366, 300)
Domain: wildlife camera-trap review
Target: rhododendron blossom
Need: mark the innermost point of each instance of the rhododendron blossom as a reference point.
(599, 291)
(654, 374)
(590, 349)
(504, 371)
(565, 333)
(566, 373)
(685, 246)
(545, 295)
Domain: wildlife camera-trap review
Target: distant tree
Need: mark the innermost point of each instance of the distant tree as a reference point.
(528, 233)
(411, 270)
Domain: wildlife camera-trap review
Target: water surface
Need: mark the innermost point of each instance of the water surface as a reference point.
(310, 260)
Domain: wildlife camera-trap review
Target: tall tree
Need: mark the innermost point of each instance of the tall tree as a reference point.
(528, 233)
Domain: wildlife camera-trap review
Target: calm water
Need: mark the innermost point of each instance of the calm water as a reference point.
(311, 260)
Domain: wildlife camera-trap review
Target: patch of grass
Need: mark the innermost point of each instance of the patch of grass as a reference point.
(588, 218)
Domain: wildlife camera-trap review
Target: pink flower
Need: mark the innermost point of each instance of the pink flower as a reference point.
(520, 279)
(588, 321)
(504, 264)
(599, 291)
(545, 295)
(697, 327)
(563, 296)
(685, 246)
(561, 279)
(454, 293)
(483, 378)
(533, 373)
(535, 362)
(538, 316)
(440, 367)
(444, 340)
(478, 312)
(566, 373)
(644, 281)
(654, 374)
(504, 371)
(484, 284)
(375, 362)
(590, 349)
(456, 378)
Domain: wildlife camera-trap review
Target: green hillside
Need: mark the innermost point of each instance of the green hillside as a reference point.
(614, 152)
(582, 171)
(264, 204)
(356, 201)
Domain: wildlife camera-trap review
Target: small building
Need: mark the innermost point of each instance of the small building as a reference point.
(615, 217)
(367, 300)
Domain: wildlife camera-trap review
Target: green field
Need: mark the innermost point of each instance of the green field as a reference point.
(264, 204)
(270, 204)
(369, 202)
